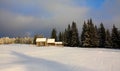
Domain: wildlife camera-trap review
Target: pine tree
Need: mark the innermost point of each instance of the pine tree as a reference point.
(54, 34)
(65, 38)
(60, 36)
(68, 36)
(115, 37)
(84, 30)
(86, 42)
(96, 39)
(119, 32)
(85, 37)
(108, 41)
(74, 35)
(102, 36)
(119, 38)
(92, 33)
(89, 36)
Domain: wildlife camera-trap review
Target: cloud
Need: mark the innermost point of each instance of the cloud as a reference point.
(59, 13)
(43, 15)
(112, 9)
(108, 13)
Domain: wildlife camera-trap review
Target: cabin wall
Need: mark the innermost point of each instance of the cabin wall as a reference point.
(41, 43)
(50, 44)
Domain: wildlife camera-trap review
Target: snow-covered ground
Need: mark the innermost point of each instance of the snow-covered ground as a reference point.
(16, 57)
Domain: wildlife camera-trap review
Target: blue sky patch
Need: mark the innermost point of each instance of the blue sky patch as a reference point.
(90, 3)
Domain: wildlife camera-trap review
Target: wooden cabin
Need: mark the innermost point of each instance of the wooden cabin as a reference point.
(1, 41)
(58, 44)
(41, 42)
(47, 42)
(51, 42)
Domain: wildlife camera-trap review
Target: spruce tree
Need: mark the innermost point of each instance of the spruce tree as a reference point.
(89, 36)
(102, 35)
(54, 34)
(74, 35)
(119, 38)
(92, 33)
(85, 37)
(65, 38)
(68, 36)
(96, 38)
(119, 32)
(108, 41)
(115, 37)
(84, 30)
(60, 36)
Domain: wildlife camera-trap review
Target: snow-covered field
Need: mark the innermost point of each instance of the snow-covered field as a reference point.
(16, 57)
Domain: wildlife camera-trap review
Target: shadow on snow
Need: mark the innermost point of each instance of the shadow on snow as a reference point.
(40, 64)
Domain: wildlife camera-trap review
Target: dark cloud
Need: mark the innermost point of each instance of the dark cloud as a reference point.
(40, 16)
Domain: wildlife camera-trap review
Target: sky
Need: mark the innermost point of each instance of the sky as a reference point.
(29, 17)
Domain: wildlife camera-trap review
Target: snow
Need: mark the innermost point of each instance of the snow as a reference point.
(50, 40)
(41, 40)
(17, 57)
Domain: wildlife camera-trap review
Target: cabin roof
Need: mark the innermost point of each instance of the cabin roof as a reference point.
(41, 40)
(50, 40)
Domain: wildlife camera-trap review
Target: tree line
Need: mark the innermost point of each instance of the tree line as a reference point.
(17, 40)
(91, 36)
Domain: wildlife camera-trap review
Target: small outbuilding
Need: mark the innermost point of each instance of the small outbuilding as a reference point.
(51, 42)
(41, 42)
(58, 44)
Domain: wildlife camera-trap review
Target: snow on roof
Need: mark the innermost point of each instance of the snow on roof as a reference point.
(41, 40)
(58, 42)
(50, 40)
